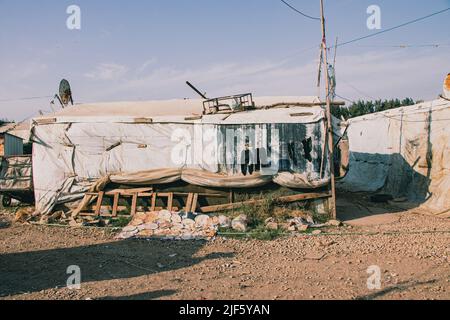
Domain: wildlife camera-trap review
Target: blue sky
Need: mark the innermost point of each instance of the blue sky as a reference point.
(142, 50)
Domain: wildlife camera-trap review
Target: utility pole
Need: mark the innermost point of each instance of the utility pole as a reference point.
(329, 118)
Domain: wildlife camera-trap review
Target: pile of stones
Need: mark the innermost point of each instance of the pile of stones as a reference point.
(178, 225)
(169, 225)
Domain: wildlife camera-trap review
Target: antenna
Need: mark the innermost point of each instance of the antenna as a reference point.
(65, 93)
(203, 95)
(59, 99)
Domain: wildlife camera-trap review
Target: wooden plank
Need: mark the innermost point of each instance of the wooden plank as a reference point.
(121, 208)
(128, 192)
(154, 201)
(212, 195)
(133, 204)
(303, 196)
(143, 120)
(145, 195)
(99, 203)
(164, 194)
(45, 120)
(280, 200)
(194, 202)
(193, 118)
(170, 202)
(188, 202)
(115, 204)
(301, 114)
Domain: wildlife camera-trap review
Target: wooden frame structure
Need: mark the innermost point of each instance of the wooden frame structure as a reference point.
(191, 201)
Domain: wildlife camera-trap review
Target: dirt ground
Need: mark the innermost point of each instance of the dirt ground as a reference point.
(412, 251)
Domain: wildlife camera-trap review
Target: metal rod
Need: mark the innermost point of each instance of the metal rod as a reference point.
(60, 101)
(196, 90)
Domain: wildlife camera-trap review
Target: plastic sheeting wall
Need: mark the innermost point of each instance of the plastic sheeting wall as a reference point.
(403, 152)
(69, 157)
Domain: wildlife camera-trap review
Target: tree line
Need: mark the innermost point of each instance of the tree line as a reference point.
(361, 107)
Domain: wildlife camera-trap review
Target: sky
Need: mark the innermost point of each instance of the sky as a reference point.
(146, 50)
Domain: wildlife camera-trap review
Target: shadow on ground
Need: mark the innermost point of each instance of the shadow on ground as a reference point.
(39, 270)
(385, 174)
(400, 287)
(4, 224)
(143, 296)
(357, 208)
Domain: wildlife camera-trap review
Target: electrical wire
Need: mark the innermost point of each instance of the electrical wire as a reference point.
(343, 98)
(404, 46)
(24, 99)
(298, 11)
(357, 90)
(393, 28)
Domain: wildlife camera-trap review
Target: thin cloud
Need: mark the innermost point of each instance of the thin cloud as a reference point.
(146, 65)
(107, 71)
(381, 74)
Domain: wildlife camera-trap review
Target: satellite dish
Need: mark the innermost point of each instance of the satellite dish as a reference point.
(447, 87)
(65, 93)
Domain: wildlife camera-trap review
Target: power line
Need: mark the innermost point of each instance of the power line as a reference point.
(357, 90)
(393, 28)
(348, 100)
(24, 99)
(299, 12)
(402, 46)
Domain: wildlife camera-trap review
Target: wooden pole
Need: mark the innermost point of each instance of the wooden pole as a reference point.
(329, 118)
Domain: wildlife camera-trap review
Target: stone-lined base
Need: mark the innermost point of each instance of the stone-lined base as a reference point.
(171, 225)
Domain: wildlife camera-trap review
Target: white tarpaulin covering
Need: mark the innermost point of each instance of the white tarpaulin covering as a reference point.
(403, 152)
(136, 143)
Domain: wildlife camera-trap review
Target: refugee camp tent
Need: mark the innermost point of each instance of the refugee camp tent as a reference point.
(403, 152)
(159, 142)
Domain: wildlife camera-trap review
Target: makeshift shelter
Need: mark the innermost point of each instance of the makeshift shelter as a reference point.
(10, 144)
(403, 152)
(281, 140)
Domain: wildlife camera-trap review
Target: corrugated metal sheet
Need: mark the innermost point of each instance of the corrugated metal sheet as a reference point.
(299, 148)
(13, 146)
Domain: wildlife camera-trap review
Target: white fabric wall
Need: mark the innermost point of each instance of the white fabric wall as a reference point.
(402, 153)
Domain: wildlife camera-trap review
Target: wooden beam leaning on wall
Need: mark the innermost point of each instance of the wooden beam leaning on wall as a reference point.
(280, 200)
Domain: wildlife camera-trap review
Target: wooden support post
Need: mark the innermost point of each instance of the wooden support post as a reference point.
(329, 117)
(154, 201)
(170, 201)
(194, 202)
(99, 203)
(188, 205)
(115, 204)
(134, 204)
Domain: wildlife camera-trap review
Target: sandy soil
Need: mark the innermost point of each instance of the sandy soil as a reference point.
(412, 251)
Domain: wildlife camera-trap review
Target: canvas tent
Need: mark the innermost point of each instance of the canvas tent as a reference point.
(158, 142)
(404, 152)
